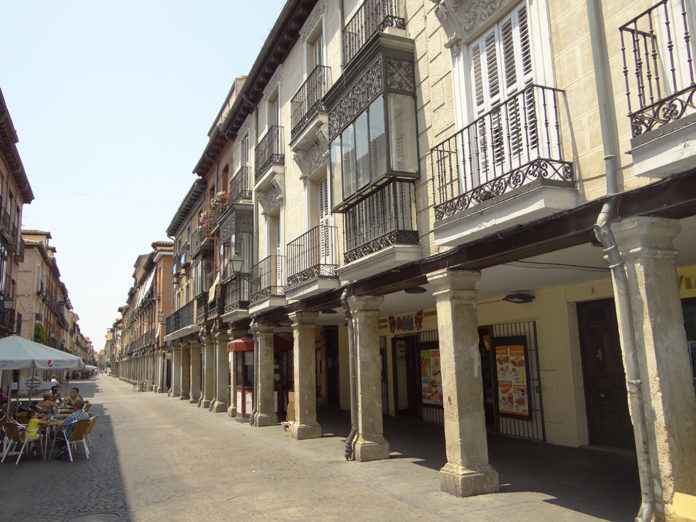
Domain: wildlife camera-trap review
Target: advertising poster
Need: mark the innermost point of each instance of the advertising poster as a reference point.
(511, 369)
(431, 378)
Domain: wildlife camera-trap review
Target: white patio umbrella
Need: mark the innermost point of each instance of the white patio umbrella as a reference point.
(18, 353)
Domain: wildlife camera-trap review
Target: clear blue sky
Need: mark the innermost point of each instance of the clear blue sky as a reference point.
(112, 102)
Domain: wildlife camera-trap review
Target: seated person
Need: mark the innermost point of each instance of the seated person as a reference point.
(47, 405)
(55, 393)
(72, 419)
(74, 399)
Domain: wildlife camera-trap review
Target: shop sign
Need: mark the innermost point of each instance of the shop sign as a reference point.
(431, 377)
(406, 323)
(512, 374)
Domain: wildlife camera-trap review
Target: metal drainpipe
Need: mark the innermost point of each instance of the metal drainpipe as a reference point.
(252, 418)
(350, 440)
(604, 234)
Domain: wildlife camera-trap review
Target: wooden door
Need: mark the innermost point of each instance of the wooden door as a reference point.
(608, 419)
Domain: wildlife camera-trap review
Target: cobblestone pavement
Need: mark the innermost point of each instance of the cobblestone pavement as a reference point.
(156, 458)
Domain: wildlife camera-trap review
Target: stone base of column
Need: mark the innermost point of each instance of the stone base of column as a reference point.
(205, 403)
(232, 411)
(194, 400)
(305, 431)
(264, 419)
(218, 407)
(366, 450)
(463, 482)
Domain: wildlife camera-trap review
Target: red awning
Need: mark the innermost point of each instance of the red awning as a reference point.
(246, 344)
(243, 344)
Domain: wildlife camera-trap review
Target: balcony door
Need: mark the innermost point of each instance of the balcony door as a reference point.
(244, 151)
(315, 54)
(275, 250)
(504, 135)
(326, 222)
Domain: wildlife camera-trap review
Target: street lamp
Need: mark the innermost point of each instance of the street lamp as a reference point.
(237, 261)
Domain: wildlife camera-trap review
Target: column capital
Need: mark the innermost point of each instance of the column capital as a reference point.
(258, 328)
(365, 303)
(455, 284)
(643, 236)
(303, 318)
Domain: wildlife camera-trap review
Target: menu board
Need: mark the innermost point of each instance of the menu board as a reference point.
(513, 387)
(431, 378)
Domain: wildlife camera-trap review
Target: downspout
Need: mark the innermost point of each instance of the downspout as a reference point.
(252, 418)
(352, 366)
(604, 234)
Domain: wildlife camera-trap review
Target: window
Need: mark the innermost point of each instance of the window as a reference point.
(315, 51)
(500, 69)
(364, 157)
(273, 108)
(244, 147)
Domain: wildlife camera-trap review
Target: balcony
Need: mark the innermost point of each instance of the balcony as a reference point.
(380, 231)
(180, 323)
(267, 284)
(660, 84)
(307, 111)
(312, 262)
(372, 17)
(505, 168)
(240, 185)
(7, 321)
(269, 152)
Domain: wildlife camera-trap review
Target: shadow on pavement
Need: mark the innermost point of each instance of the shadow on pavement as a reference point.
(599, 484)
(57, 490)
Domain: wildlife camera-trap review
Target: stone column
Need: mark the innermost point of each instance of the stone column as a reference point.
(467, 471)
(232, 408)
(305, 425)
(370, 443)
(176, 371)
(265, 414)
(185, 374)
(208, 372)
(221, 366)
(195, 378)
(665, 383)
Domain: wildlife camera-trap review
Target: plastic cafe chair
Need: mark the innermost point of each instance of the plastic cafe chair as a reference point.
(77, 435)
(92, 422)
(15, 434)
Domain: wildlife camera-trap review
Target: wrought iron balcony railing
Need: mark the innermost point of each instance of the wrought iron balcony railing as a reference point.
(313, 255)
(240, 185)
(201, 308)
(267, 279)
(269, 151)
(7, 320)
(658, 66)
(237, 293)
(512, 145)
(372, 17)
(308, 100)
(384, 218)
(181, 318)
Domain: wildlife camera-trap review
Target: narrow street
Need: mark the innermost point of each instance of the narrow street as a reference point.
(156, 458)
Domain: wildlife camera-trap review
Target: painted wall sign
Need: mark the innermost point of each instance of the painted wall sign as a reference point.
(406, 323)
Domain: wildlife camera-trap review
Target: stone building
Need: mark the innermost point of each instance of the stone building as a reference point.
(143, 361)
(15, 192)
(426, 192)
(42, 298)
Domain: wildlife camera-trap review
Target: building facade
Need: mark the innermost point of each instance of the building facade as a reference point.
(15, 192)
(473, 213)
(42, 298)
(150, 300)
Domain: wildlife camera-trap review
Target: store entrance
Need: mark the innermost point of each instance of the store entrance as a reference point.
(608, 419)
(406, 376)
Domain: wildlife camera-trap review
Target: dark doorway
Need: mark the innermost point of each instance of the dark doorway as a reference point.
(168, 374)
(406, 375)
(604, 379)
(331, 337)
